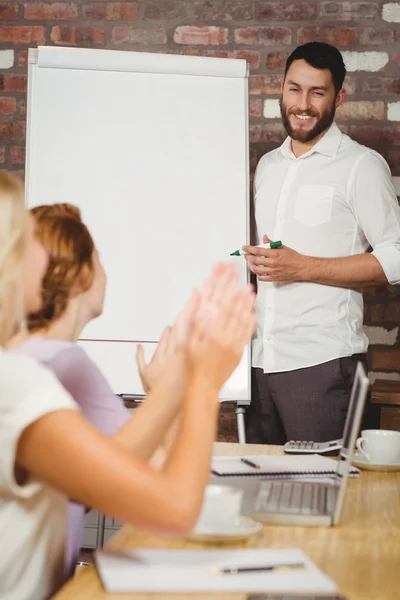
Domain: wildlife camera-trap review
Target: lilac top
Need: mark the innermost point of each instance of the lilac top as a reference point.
(86, 384)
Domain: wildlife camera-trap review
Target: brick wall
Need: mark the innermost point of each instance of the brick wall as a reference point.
(263, 33)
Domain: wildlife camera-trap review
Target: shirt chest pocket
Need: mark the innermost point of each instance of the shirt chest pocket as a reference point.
(313, 204)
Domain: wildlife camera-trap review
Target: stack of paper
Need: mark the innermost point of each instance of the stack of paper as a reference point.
(185, 571)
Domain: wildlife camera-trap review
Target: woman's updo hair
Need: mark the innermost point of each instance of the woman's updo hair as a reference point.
(70, 247)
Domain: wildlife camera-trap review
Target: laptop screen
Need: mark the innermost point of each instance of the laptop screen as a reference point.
(350, 433)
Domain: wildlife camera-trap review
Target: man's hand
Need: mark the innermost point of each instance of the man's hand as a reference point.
(278, 264)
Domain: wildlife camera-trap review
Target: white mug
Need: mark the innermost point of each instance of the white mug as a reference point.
(380, 446)
(221, 508)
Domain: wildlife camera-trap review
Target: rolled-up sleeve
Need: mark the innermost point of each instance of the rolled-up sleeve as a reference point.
(377, 211)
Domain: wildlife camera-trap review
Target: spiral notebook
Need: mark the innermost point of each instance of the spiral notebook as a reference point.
(277, 467)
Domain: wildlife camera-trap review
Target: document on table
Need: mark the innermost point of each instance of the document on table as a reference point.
(185, 571)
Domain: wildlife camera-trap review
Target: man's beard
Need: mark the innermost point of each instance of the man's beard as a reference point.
(324, 121)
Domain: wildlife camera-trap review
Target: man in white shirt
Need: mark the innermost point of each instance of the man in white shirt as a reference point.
(328, 199)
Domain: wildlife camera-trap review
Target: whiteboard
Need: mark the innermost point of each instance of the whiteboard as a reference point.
(154, 150)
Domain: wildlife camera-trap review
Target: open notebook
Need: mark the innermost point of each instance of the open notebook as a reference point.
(277, 467)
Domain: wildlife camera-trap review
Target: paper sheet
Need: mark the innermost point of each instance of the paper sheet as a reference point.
(144, 570)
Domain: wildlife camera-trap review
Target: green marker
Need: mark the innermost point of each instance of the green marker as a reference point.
(272, 245)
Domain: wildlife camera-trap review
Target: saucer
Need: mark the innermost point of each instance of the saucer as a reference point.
(242, 529)
(362, 463)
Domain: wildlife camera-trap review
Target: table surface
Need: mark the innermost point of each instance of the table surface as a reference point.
(362, 553)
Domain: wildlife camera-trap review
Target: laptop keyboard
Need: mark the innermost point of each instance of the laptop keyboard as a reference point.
(297, 497)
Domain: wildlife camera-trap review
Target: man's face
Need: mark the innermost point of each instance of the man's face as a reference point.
(308, 101)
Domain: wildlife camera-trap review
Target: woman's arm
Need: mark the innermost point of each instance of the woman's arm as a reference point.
(65, 450)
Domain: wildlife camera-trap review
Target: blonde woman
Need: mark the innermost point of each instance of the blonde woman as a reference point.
(50, 452)
(73, 291)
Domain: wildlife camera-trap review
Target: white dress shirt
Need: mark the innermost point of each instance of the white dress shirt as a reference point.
(336, 200)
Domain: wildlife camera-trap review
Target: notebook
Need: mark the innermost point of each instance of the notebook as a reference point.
(186, 571)
(277, 467)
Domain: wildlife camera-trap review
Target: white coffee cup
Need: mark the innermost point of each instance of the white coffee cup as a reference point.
(221, 508)
(380, 446)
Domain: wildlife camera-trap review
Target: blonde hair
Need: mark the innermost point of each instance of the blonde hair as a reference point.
(13, 220)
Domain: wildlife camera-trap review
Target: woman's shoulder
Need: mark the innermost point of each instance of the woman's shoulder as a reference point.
(23, 376)
(44, 349)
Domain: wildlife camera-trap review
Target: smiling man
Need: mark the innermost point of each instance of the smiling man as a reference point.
(329, 200)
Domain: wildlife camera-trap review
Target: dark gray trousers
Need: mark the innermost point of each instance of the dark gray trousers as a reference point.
(305, 404)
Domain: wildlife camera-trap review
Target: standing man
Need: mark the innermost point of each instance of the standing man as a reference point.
(328, 199)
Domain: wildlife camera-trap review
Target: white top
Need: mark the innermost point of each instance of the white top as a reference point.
(334, 201)
(32, 516)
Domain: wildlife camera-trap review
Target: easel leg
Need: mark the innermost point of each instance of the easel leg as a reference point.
(101, 523)
(240, 412)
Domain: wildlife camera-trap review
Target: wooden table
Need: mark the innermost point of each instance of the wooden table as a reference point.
(362, 554)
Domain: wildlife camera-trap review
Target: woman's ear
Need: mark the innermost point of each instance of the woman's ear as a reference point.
(83, 282)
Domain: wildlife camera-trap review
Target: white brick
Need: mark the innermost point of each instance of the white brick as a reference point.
(6, 59)
(393, 112)
(396, 183)
(272, 109)
(378, 375)
(380, 335)
(365, 61)
(391, 12)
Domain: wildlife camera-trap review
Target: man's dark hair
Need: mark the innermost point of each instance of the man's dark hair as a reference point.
(321, 56)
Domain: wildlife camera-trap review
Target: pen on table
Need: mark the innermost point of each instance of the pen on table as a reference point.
(272, 245)
(246, 461)
(237, 570)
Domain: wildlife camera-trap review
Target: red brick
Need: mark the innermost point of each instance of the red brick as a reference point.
(396, 58)
(110, 11)
(362, 111)
(77, 36)
(13, 83)
(23, 58)
(129, 35)
(371, 135)
(371, 36)
(351, 84)
(338, 36)
(394, 164)
(22, 107)
(349, 11)
(253, 159)
(266, 36)
(381, 85)
(251, 56)
(255, 107)
(276, 61)
(12, 130)
(17, 155)
(265, 84)
(2, 154)
(237, 10)
(8, 106)
(22, 34)
(385, 360)
(267, 132)
(283, 11)
(8, 12)
(44, 11)
(165, 10)
(207, 36)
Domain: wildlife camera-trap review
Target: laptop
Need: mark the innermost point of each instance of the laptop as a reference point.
(286, 502)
